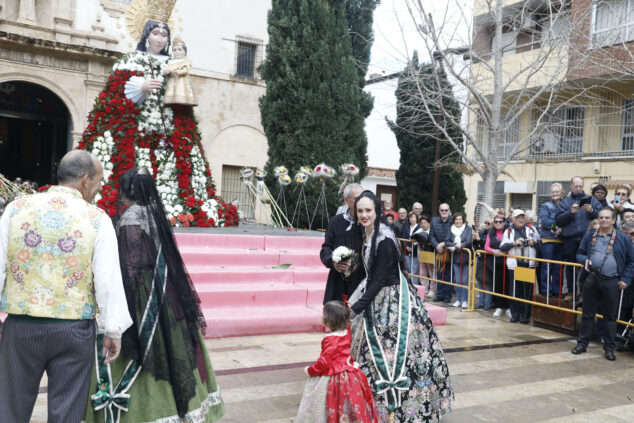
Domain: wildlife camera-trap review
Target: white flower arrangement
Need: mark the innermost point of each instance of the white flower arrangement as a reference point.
(280, 170)
(348, 169)
(301, 177)
(284, 180)
(341, 253)
(143, 158)
(322, 170)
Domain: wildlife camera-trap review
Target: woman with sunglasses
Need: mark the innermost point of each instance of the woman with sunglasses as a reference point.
(496, 276)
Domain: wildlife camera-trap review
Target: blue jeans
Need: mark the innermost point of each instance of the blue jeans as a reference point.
(461, 277)
(551, 251)
(412, 268)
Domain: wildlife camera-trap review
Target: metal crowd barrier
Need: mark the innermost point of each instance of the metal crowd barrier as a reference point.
(441, 262)
(529, 274)
(521, 274)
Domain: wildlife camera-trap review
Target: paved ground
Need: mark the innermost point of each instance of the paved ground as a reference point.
(501, 372)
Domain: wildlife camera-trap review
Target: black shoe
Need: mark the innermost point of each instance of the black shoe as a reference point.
(437, 299)
(580, 349)
(515, 319)
(448, 300)
(524, 320)
(609, 355)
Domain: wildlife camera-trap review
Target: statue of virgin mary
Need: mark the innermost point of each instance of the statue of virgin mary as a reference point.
(130, 126)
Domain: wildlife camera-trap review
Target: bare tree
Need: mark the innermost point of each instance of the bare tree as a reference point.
(519, 70)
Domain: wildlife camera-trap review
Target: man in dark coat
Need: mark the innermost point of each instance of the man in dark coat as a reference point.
(574, 220)
(343, 231)
(440, 227)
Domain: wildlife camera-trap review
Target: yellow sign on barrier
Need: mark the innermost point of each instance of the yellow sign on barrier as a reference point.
(525, 274)
(426, 257)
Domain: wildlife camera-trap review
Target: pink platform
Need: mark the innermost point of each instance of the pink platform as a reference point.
(242, 293)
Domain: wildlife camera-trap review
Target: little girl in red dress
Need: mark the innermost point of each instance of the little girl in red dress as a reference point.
(337, 390)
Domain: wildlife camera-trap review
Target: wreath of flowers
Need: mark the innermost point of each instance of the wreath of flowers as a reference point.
(301, 177)
(279, 171)
(284, 180)
(123, 135)
(348, 169)
(322, 170)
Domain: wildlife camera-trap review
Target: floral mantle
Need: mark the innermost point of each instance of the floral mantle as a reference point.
(163, 139)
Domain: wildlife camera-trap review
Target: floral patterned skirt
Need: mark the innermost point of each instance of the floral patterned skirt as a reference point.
(341, 398)
(430, 392)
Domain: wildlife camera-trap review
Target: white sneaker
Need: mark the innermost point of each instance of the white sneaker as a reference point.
(498, 312)
(465, 305)
(456, 304)
(431, 294)
(508, 312)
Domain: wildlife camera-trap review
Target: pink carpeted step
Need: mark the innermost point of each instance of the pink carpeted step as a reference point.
(240, 275)
(246, 321)
(231, 296)
(217, 257)
(293, 243)
(300, 258)
(437, 314)
(242, 242)
(314, 274)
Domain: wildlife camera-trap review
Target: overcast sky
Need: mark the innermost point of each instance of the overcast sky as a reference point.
(395, 39)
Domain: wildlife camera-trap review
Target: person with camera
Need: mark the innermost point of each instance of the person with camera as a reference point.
(520, 240)
(608, 257)
(573, 217)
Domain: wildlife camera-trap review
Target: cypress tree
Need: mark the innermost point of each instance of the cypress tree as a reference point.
(310, 112)
(416, 138)
(360, 15)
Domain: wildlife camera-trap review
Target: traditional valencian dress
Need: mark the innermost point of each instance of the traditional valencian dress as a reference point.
(163, 373)
(395, 343)
(337, 391)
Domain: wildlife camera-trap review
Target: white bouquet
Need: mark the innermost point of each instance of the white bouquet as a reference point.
(344, 254)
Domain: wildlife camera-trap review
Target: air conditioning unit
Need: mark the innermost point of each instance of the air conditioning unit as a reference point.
(547, 143)
(528, 22)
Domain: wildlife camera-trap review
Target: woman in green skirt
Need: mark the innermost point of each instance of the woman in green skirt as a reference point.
(164, 373)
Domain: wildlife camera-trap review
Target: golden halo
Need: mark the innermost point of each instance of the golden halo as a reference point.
(136, 15)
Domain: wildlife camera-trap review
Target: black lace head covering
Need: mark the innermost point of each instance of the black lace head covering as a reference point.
(138, 185)
(377, 223)
(149, 26)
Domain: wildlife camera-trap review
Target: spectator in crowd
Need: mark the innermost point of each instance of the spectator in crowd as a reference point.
(626, 216)
(600, 192)
(520, 240)
(509, 217)
(400, 221)
(479, 240)
(530, 219)
(550, 281)
(387, 210)
(621, 202)
(411, 248)
(496, 276)
(389, 219)
(608, 257)
(417, 208)
(426, 269)
(460, 236)
(628, 295)
(440, 226)
(574, 218)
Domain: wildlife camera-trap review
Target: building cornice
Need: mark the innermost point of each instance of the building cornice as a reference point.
(25, 41)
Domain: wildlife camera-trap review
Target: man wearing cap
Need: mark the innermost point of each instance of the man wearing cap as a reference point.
(520, 240)
(574, 219)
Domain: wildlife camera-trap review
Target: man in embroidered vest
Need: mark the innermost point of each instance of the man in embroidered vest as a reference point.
(59, 265)
(608, 257)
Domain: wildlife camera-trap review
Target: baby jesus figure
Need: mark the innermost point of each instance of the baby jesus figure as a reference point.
(178, 89)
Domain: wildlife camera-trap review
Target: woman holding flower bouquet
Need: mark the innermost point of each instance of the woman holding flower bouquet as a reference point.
(394, 340)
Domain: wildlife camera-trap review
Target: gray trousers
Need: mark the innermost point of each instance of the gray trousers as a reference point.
(65, 350)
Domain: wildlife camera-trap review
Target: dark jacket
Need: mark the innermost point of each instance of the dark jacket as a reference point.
(547, 218)
(438, 231)
(575, 225)
(336, 236)
(405, 234)
(623, 251)
(466, 239)
(385, 273)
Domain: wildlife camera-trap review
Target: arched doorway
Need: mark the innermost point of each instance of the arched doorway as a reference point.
(35, 133)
